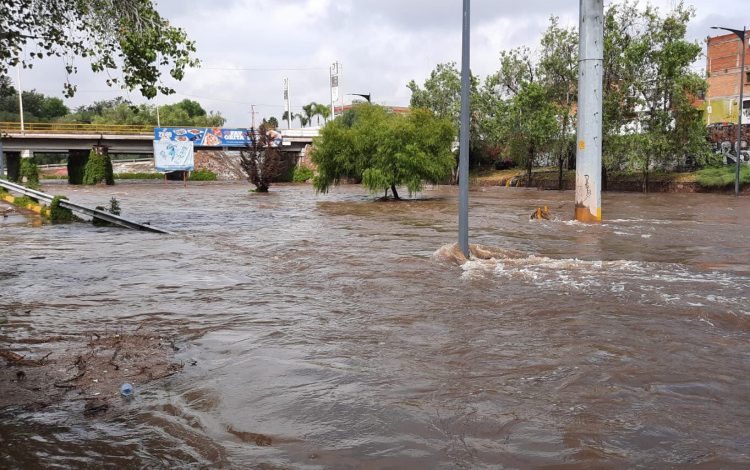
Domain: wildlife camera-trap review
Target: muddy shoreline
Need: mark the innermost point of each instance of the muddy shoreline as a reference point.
(90, 367)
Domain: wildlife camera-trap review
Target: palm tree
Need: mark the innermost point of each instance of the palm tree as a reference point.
(322, 110)
(303, 120)
(309, 110)
(286, 116)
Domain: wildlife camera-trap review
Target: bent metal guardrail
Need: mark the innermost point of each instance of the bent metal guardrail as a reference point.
(111, 218)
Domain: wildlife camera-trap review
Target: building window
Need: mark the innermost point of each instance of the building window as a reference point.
(747, 77)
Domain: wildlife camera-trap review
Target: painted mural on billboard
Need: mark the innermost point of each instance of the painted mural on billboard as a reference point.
(212, 136)
(173, 156)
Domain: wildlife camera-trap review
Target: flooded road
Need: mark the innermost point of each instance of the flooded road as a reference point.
(333, 326)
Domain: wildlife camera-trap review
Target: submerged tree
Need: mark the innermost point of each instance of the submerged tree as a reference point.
(262, 161)
(386, 150)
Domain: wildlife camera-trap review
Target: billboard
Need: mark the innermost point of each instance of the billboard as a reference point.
(173, 156)
(211, 136)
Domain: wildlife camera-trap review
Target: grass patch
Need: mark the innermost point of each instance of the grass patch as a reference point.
(202, 175)
(24, 201)
(723, 177)
(139, 176)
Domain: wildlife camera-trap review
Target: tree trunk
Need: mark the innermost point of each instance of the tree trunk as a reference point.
(530, 166)
(395, 193)
(560, 173)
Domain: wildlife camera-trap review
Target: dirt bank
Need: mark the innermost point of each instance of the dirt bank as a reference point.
(627, 182)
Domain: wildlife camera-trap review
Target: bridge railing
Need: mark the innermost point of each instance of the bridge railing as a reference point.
(73, 128)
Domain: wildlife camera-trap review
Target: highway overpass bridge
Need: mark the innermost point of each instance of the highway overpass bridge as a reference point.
(68, 138)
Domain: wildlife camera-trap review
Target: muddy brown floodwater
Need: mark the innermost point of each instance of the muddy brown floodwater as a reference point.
(332, 331)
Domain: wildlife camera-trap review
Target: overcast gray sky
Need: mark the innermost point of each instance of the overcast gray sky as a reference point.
(247, 47)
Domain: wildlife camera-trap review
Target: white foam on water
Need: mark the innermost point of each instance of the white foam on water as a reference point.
(657, 283)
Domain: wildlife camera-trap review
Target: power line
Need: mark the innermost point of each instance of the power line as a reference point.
(264, 69)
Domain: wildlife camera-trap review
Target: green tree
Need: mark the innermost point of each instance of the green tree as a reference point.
(309, 110)
(441, 94)
(303, 119)
(386, 150)
(125, 35)
(37, 107)
(273, 123)
(558, 70)
(534, 125)
(322, 111)
(648, 98)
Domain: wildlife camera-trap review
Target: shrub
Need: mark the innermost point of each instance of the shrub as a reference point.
(59, 214)
(302, 174)
(114, 209)
(202, 175)
(98, 169)
(30, 171)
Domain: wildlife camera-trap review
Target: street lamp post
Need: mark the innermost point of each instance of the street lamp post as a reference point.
(738, 152)
(463, 157)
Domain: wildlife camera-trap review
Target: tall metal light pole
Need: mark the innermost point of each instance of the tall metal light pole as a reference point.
(20, 98)
(738, 152)
(287, 104)
(334, 87)
(463, 158)
(590, 83)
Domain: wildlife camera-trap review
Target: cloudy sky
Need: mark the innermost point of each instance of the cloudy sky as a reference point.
(247, 47)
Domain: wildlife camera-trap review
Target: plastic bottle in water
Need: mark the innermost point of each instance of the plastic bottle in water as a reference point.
(126, 390)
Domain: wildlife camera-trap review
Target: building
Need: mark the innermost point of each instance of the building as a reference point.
(721, 102)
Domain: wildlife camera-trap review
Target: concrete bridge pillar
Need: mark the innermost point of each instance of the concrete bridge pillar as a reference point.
(13, 164)
(77, 160)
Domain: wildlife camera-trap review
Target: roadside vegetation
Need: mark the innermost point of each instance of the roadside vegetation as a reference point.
(384, 150)
(525, 112)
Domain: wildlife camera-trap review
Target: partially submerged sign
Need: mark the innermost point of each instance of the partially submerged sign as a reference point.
(173, 156)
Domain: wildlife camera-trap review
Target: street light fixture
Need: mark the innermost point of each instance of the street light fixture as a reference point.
(738, 152)
(363, 95)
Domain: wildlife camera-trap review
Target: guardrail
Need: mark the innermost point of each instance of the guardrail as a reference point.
(64, 203)
(73, 128)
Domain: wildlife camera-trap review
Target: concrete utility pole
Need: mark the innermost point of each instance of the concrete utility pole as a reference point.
(590, 83)
(20, 98)
(463, 159)
(252, 113)
(738, 148)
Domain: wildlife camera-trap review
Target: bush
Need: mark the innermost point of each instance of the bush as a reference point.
(722, 177)
(202, 175)
(30, 171)
(98, 169)
(114, 209)
(59, 214)
(302, 174)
